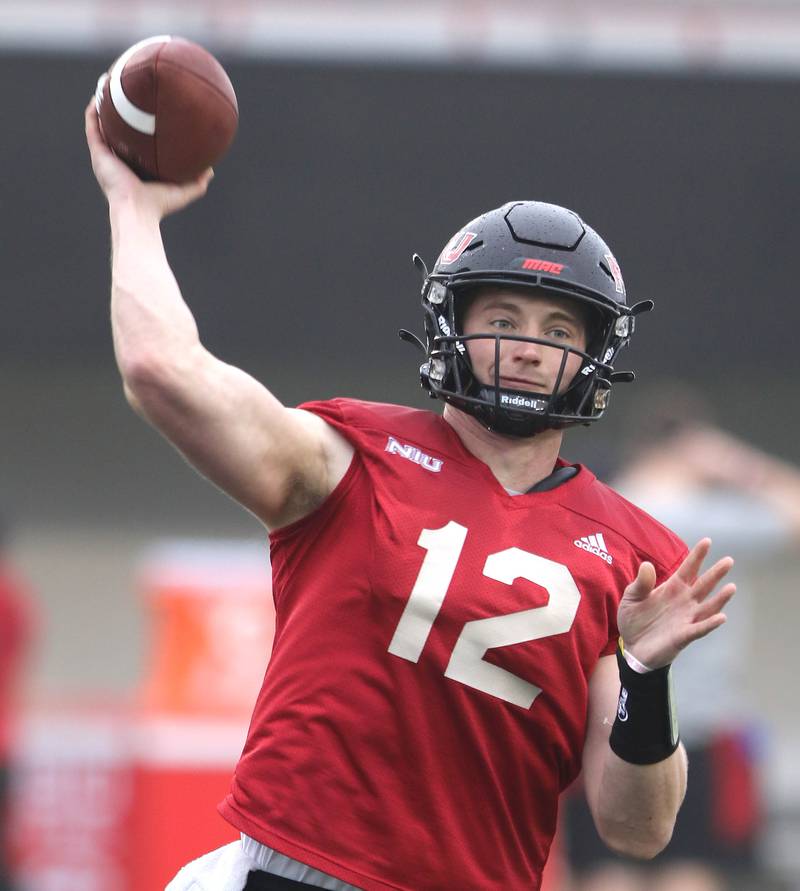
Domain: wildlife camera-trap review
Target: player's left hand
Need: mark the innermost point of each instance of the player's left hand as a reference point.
(656, 623)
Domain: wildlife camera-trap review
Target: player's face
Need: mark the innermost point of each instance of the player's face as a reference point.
(523, 365)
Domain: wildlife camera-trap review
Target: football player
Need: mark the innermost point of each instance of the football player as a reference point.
(464, 620)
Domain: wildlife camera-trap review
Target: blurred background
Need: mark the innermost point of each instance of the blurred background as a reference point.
(368, 131)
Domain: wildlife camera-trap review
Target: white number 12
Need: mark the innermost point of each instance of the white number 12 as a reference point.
(467, 665)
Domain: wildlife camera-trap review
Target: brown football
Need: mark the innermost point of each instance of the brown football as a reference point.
(167, 108)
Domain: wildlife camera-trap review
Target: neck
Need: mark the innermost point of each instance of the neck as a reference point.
(517, 462)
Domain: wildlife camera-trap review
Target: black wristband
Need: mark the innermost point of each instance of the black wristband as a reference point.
(645, 730)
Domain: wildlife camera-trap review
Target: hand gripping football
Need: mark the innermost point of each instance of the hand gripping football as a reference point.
(167, 108)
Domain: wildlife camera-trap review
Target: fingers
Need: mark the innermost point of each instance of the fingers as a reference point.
(701, 629)
(643, 584)
(90, 114)
(198, 187)
(711, 578)
(715, 604)
(177, 196)
(709, 616)
(94, 135)
(104, 161)
(689, 569)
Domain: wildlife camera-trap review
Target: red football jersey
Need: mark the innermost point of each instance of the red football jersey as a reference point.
(426, 699)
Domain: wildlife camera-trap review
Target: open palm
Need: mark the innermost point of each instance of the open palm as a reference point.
(656, 623)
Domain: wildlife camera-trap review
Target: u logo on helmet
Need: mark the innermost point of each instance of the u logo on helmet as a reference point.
(616, 273)
(458, 244)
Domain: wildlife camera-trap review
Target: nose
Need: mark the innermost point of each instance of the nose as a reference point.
(525, 352)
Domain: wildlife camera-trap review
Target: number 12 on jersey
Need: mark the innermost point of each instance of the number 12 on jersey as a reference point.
(467, 665)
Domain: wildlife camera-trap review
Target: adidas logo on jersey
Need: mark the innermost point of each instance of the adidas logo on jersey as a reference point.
(594, 544)
(411, 453)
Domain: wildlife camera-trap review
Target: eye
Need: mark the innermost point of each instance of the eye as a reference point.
(502, 324)
(560, 334)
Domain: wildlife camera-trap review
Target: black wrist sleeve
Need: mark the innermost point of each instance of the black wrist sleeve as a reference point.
(645, 730)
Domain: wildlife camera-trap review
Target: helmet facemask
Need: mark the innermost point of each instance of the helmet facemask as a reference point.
(449, 375)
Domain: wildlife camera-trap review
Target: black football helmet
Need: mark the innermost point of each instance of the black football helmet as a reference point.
(525, 244)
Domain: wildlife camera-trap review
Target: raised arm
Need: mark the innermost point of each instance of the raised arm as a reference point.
(277, 462)
(635, 776)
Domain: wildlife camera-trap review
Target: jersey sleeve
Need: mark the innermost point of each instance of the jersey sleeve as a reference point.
(330, 410)
(350, 417)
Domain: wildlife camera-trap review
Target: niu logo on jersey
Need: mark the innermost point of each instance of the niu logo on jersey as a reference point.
(412, 453)
(594, 544)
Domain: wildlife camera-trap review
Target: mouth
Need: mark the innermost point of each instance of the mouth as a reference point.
(516, 383)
